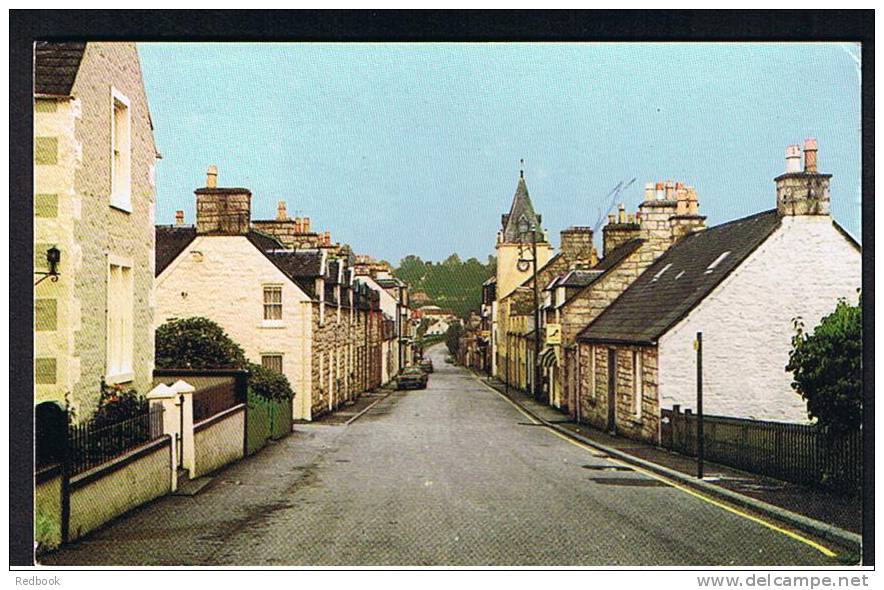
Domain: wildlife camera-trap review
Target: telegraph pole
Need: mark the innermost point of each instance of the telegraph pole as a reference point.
(700, 440)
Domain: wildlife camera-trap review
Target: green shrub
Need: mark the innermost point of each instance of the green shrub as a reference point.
(269, 384)
(827, 368)
(47, 532)
(196, 343)
(117, 404)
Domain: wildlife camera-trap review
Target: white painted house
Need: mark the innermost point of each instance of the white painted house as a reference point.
(741, 284)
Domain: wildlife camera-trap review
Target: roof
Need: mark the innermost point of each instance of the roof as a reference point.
(297, 264)
(171, 240)
(606, 264)
(520, 208)
(579, 278)
(679, 280)
(56, 66)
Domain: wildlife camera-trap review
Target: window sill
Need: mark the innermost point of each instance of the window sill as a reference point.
(121, 204)
(272, 324)
(119, 378)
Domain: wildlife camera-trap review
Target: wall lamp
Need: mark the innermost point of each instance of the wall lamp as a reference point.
(53, 258)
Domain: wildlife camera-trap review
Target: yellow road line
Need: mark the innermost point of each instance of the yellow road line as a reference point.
(791, 534)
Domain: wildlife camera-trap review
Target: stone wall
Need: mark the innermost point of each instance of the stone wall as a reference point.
(594, 406)
(73, 197)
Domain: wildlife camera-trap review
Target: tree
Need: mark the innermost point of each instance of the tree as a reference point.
(196, 343)
(826, 365)
(200, 343)
(452, 337)
(268, 383)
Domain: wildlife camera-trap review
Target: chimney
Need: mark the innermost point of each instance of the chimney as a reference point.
(803, 192)
(280, 212)
(687, 218)
(306, 225)
(576, 244)
(810, 149)
(793, 159)
(654, 220)
(212, 177)
(222, 211)
(179, 217)
(618, 231)
(299, 229)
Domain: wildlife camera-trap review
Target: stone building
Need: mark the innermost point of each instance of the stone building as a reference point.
(94, 158)
(741, 284)
(298, 311)
(514, 267)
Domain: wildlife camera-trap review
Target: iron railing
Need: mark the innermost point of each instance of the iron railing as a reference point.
(801, 453)
(91, 443)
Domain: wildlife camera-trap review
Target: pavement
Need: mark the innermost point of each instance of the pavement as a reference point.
(453, 475)
(842, 511)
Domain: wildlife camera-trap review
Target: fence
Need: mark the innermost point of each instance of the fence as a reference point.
(213, 400)
(93, 443)
(801, 453)
(267, 419)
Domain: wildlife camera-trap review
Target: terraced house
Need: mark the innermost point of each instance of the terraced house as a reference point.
(297, 311)
(741, 284)
(94, 157)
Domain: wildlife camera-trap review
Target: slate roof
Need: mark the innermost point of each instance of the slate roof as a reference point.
(678, 281)
(297, 264)
(171, 240)
(576, 279)
(56, 66)
(606, 264)
(521, 207)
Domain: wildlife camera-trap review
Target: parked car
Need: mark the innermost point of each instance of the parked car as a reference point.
(412, 378)
(427, 365)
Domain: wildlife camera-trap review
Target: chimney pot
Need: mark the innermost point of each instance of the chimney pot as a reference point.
(212, 177)
(280, 212)
(306, 225)
(658, 188)
(621, 213)
(179, 217)
(670, 190)
(649, 191)
(810, 152)
(611, 218)
(793, 159)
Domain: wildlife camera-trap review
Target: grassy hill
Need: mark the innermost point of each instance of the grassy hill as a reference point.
(452, 284)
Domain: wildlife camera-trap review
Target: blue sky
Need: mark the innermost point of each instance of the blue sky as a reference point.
(414, 148)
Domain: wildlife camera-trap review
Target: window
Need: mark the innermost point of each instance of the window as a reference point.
(716, 262)
(637, 383)
(272, 362)
(121, 153)
(120, 304)
(272, 302)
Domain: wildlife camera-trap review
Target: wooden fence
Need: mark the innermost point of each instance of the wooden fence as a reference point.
(801, 453)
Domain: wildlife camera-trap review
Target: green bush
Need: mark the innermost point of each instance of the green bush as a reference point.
(47, 532)
(117, 404)
(196, 343)
(827, 368)
(269, 384)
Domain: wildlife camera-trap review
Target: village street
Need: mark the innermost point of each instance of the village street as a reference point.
(450, 475)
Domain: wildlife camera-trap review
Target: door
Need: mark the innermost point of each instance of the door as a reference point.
(612, 390)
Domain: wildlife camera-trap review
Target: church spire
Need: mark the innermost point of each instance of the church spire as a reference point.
(521, 208)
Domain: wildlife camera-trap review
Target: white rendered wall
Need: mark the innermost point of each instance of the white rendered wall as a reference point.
(222, 278)
(801, 270)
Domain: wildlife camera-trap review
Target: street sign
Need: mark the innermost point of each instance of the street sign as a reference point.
(553, 333)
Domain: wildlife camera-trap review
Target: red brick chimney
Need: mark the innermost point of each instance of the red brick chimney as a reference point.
(179, 217)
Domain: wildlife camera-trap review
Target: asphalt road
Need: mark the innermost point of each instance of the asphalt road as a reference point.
(450, 475)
